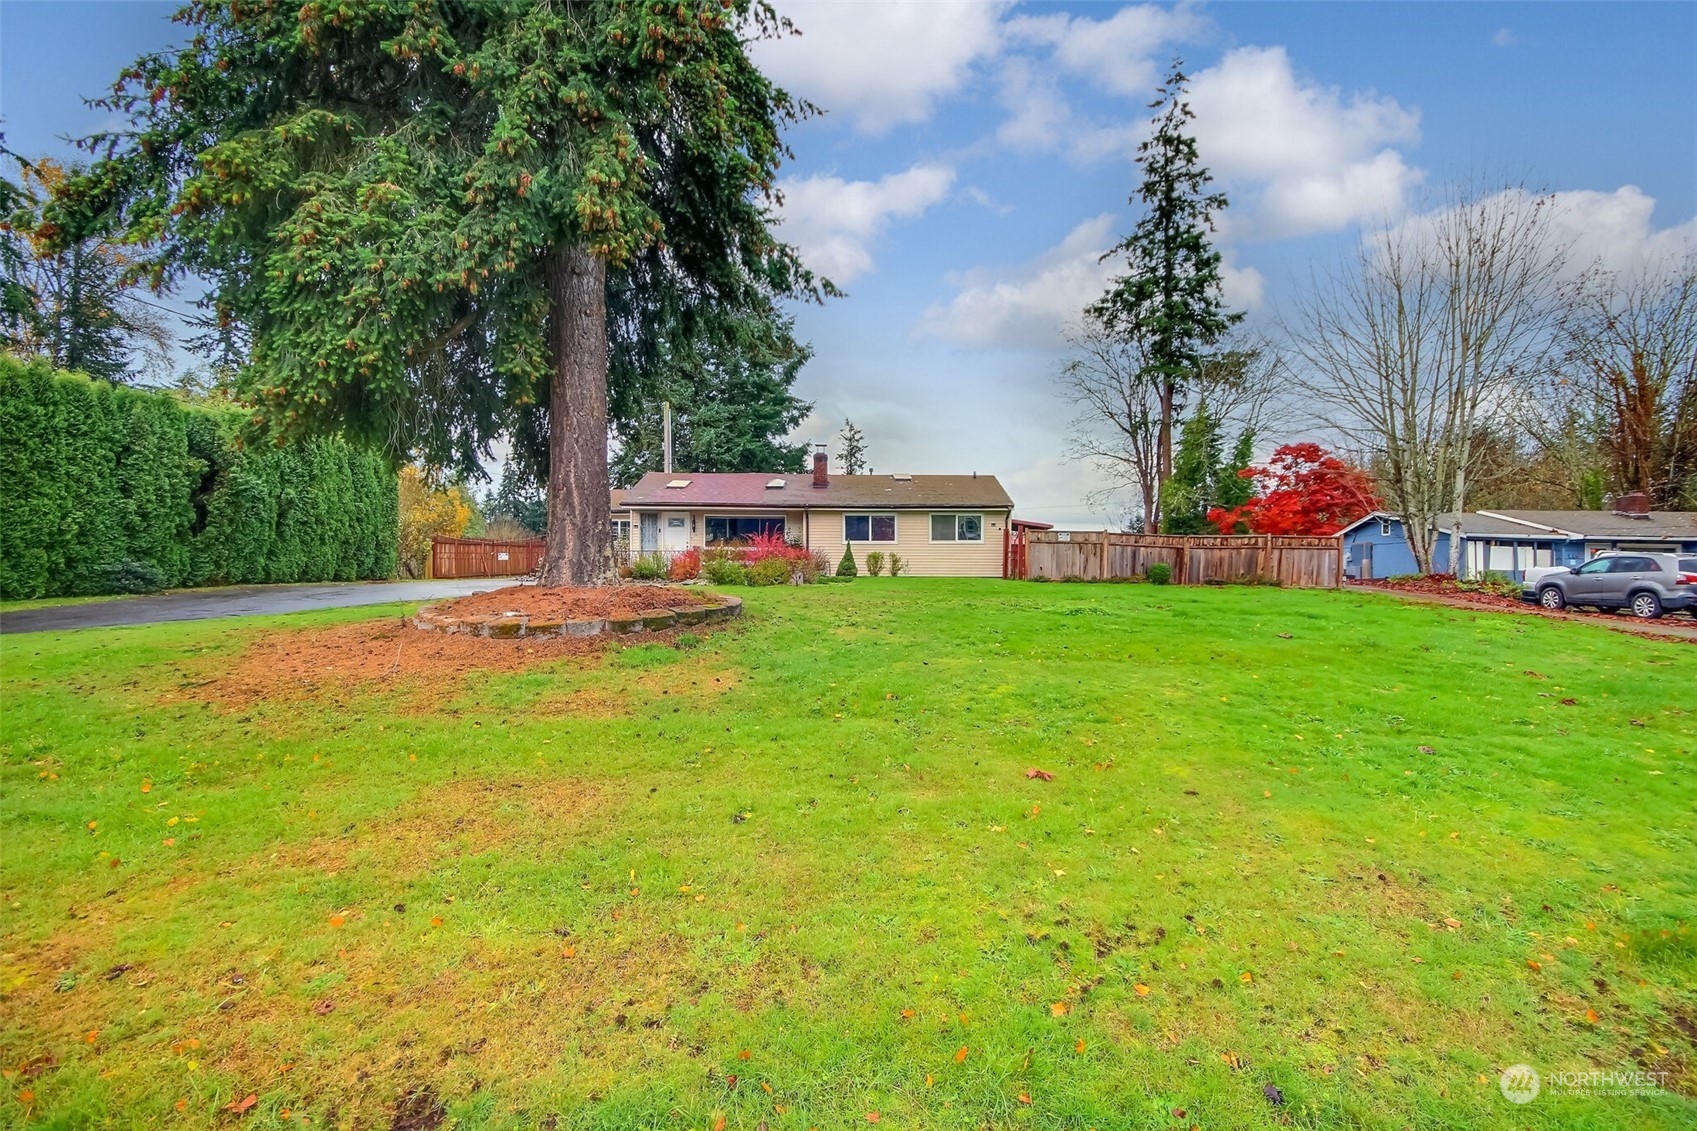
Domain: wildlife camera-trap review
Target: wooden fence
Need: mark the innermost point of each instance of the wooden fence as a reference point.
(1195, 559)
(483, 557)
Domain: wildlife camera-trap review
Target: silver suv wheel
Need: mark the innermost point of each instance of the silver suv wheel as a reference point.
(1646, 605)
(1551, 598)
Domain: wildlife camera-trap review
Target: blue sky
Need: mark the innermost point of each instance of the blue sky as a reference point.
(976, 157)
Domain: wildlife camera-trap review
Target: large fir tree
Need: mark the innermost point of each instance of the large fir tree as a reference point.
(443, 222)
(1169, 301)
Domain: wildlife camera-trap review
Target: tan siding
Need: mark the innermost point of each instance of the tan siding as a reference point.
(921, 557)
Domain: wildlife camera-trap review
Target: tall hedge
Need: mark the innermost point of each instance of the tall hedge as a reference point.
(100, 482)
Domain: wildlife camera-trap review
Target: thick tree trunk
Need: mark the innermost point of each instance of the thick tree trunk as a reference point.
(1163, 450)
(579, 549)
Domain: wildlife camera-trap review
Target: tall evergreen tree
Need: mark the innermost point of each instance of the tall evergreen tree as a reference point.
(853, 456)
(732, 406)
(1169, 303)
(65, 289)
(444, 222)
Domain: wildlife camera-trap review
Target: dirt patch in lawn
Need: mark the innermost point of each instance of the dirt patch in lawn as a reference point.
(566, 603)
(373, 655)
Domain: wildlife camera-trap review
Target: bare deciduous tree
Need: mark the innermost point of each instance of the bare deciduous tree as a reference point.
(1629, 365)
(1118, 397)
(1423, 338)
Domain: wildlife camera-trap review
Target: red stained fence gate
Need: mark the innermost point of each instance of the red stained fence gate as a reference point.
(483, 557)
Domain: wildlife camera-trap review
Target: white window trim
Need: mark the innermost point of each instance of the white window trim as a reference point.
(957, 540)
(895, 527)
(1384, 528)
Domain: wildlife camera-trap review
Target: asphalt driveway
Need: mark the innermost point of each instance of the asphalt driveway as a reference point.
(238, 601)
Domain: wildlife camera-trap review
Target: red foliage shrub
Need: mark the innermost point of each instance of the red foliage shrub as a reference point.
(686, 565)
(1303, 489)
(771, 544)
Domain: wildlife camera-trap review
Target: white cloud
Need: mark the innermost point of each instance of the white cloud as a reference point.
(1118, 53)
(834, 222)
(1029, 306)
(1611, 230)
(1311, 159)
(1505, 37)
(880, 64)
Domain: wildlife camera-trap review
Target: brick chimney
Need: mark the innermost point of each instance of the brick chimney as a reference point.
(1635, 503)
(820, 461)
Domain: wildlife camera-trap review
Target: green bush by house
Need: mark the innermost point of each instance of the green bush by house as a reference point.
(111, 489)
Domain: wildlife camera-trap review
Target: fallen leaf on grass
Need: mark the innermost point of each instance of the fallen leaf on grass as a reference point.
(1058, 1009)
(1079, 1047)
(874, 1117)
(1591, 1016)
(1534, 964)
(337, 920)
(744, 1054)
(1452, 924)
(1024, 1099)
(1142, 990)
(960, 1055)
(907, 1015)
(1273, 1094)
(1231, 1058)
(1041, 775)
(1425, 750)
(1246, 976)
(325, 1008)
(241, 1105)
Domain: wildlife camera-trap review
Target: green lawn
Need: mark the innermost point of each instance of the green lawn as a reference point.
(796, 874)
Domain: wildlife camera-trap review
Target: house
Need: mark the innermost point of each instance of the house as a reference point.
(1509, 542)
(941, 525)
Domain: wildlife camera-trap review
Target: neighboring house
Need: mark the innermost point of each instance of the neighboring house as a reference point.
(941, 525)
(1510, 542)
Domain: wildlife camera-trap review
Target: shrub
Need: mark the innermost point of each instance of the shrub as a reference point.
(773, 570)
(832, 579)
(131, 576)
(896, 565)
(725, 571)
(686, 566)
(1160, 573)
(845, 568)
(821, 563)
(649, 567)
(805, 569)
(105, 483)
(1493, 582)
(874, 563)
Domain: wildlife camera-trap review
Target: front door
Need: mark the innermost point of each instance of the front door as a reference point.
(677, 533)
(1365, 549)
(650, 532)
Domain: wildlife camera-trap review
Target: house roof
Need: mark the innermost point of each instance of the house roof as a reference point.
(1655, 526)
(1561, 526)
(749, 490)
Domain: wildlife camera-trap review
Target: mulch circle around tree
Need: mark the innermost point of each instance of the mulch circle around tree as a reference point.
(537, 611)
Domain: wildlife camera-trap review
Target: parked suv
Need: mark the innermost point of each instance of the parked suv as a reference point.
(1647, 584)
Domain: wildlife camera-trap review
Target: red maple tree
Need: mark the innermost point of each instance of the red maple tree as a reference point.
(1303, 489)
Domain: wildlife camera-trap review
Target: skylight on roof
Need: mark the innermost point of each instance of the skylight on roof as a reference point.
(774, 483)
(678, 483)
